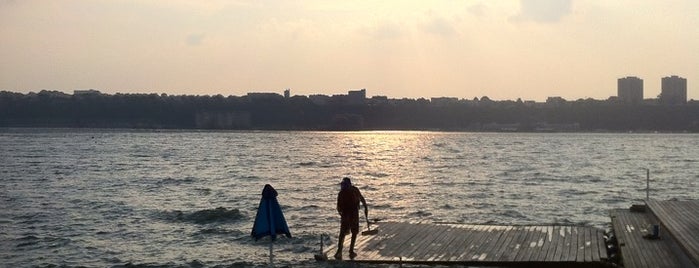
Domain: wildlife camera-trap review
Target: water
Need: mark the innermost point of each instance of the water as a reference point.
(103, 198)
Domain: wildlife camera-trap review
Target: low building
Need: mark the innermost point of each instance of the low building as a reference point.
(319, 99)
(86, 92)
(356, 97)
(256, 96)
(444, 101)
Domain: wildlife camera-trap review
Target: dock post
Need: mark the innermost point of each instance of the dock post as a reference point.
(647, 184)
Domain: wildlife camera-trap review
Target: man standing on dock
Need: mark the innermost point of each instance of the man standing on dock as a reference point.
(348, 206)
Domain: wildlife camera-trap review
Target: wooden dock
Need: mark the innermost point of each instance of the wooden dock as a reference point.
(678, 244)
(480, 245)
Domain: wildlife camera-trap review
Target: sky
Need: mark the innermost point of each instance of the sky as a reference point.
(504, 49)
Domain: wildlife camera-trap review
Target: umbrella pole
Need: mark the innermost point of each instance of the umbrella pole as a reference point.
(271, 257)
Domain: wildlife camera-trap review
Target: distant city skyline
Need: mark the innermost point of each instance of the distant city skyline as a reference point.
(528, 49)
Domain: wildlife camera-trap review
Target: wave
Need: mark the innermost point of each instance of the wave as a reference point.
(172, 181)
(381, 206)
(219, 214)
(221, 231)
(31, 219)
(447, 206)
(513, 214)
(574, 192)
(191, 264)
(48, 242)
(28, 240)
(376, 174)
(586, 178)
(306, 164)
(141, 156)
(307, 207)
(203, 191)
(482, 205)
(420, 214)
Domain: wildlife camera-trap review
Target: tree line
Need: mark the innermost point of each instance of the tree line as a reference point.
(275, 112)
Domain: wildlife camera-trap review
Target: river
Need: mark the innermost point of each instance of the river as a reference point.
(114, 198)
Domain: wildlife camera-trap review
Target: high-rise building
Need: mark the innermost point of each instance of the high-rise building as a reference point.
(673, 90)
(630, 89)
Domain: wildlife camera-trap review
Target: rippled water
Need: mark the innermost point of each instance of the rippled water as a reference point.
(102, 198)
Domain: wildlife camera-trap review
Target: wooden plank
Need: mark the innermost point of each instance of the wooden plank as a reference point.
(634, 237)
(561, 246)
(522, 243)
(427, 244)
(627, 229)
(458, 252)
(476, 239)
(362, 248)
(436, 247)
(492, 235)
(636, 251)
(516, 245)
(394, 248)
(490, 249)
(670, 221)
(548, 240)
(431, 248)
(389, 233)
(540, 242)
(589, 245)
(416, 245)
(537, 243)
(662, 256)
(580, 254)
(562, 253)
(402, 241)
(553, 247)
(442, 253)
(572, 249)
(459, 244)
(365, 244)
(558, 244)
(555, 244)
(681, 219)
(412, 244)
(500, 248)
(601, 246)
(525, 252)
(364, 241)
(361, 244)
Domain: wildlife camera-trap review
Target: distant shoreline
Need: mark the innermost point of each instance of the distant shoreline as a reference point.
(340, 113)
(184, 130)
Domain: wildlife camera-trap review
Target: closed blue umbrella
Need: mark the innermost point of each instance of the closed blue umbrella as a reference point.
(269, 219)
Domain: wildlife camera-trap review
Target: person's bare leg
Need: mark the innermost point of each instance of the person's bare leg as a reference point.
(353, 239)
(340, 242)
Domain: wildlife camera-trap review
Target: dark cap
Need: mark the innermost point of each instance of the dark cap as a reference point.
(346, 183)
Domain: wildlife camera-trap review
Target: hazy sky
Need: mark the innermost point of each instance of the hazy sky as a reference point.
(504, 49)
